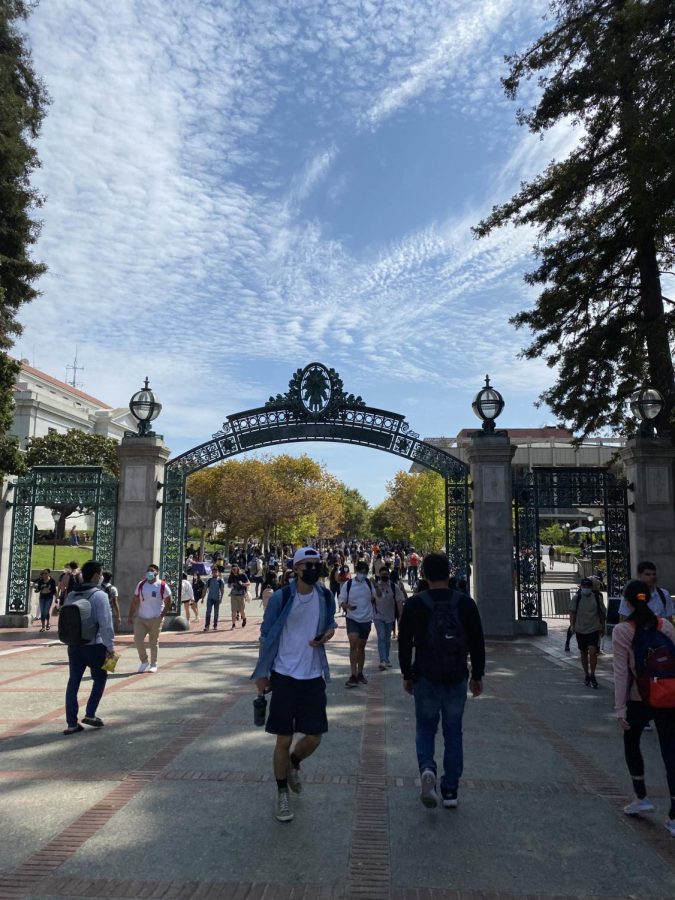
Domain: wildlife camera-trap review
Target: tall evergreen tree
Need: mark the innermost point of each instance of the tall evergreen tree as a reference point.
(23, 101)
(605, 215)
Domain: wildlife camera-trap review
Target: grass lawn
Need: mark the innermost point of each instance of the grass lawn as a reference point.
(43, 554)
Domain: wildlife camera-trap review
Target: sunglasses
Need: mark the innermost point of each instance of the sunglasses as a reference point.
(312, 565)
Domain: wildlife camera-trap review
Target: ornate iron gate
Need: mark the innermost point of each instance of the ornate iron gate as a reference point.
(562, 488)
(88, 487)
(315, 408)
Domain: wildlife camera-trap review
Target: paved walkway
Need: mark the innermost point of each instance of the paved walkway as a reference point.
(174, 797)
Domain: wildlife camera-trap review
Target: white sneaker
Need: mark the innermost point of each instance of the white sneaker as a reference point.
(428, 794)
(670, 827)
(152, 668)
(282, 812)
(635, 807)
(143, 667)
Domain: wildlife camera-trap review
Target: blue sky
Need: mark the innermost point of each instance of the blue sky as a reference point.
(237, 189)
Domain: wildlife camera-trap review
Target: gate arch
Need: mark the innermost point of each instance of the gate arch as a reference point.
(315, 408)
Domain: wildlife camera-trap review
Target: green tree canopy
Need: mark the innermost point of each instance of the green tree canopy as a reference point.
(22, 104)
(605, 215)
(74, 448)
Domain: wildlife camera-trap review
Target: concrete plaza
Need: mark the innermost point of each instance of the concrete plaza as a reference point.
(173, 798)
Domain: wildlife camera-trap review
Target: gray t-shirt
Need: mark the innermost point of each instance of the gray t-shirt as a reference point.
(587, 620)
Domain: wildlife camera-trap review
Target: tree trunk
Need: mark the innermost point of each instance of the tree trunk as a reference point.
(201, 544)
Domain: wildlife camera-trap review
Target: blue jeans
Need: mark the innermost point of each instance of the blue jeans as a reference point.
(45, 606)
(92, 657)
(383, 630)
(215, 606)
(433, 702)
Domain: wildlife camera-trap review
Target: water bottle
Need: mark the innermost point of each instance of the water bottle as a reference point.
(259, 710)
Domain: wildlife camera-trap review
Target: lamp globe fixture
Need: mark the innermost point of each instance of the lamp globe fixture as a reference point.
(145, 408)
(487, 405)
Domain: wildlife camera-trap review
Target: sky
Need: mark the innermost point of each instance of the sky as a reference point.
(236, 189)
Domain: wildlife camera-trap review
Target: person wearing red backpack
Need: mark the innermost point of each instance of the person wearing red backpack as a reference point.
(152, 601)
(644, 690)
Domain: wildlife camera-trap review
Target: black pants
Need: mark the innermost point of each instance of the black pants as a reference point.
(638, 715)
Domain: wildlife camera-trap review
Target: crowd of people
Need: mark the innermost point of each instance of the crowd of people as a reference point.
(441, 650)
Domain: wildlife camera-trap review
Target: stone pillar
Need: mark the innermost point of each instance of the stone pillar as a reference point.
(139, 517)
(489, 456)
(651, 517)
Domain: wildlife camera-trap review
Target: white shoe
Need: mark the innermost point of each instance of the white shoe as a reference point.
(143, 667)
(635, 807)
(152, 668)
(282, 812)
(428, 794)
(670, 827)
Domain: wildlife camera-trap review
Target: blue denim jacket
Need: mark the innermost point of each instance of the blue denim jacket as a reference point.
(273, 624)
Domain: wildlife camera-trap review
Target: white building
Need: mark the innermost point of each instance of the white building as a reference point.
(44, 404)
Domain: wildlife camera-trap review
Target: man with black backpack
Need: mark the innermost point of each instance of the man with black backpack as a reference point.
(85, 626)
(588, 615)
(442, 627)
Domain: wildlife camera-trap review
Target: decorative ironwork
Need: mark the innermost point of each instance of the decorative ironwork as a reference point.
(551, 488)
(88, 487)
(315, 408)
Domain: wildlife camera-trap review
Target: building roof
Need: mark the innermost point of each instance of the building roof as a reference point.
(548, 432)
(63, 385)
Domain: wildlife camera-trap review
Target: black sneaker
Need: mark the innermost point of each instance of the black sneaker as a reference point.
(594, 683)
(361, 678)
(587, 681)
(449, 798)
(351, 682)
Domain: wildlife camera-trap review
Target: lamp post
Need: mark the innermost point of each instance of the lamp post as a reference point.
(56, 516)
(487, 405)
(645, 406)
(589, 519)
(145, 408)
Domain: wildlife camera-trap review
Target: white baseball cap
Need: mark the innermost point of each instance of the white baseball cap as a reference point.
(306, 553)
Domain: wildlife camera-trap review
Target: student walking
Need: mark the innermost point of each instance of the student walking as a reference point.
(45, 588)
(93, 653)
(215, 588)
(387, 605)
(292, 664)
(439, 630)
(113, 594)
(238, 583)
(588, 615)
(356, 599)
(152, 601)
(188, 599)
(643, 630)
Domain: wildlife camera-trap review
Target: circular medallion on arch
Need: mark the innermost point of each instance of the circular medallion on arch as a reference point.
(316, 389)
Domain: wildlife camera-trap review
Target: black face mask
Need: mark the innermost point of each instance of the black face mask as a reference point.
(311, 576)
(383, 579)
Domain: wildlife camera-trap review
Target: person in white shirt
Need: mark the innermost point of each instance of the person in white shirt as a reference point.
(660, 602)
(188, 598)
(356, 598)
(152, 601)
(387, 603)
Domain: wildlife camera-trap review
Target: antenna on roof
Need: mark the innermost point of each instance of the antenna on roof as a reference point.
(74, 368)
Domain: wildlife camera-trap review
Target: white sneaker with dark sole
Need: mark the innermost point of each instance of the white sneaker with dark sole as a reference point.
(282, 811)
(428, 794)
(636, 807)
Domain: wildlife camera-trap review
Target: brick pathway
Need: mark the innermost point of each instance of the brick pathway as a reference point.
(173, 798)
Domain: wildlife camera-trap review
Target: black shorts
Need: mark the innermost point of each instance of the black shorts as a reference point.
(584, 641)
(360, 629)
(297, 705)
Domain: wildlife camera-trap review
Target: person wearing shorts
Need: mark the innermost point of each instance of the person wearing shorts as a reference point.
(587, 617)
(356, 599)
(238, 584)
(299, 619)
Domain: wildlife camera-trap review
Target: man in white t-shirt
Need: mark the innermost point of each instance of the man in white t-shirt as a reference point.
(152, 601)
(660, 601)
(292, 663)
